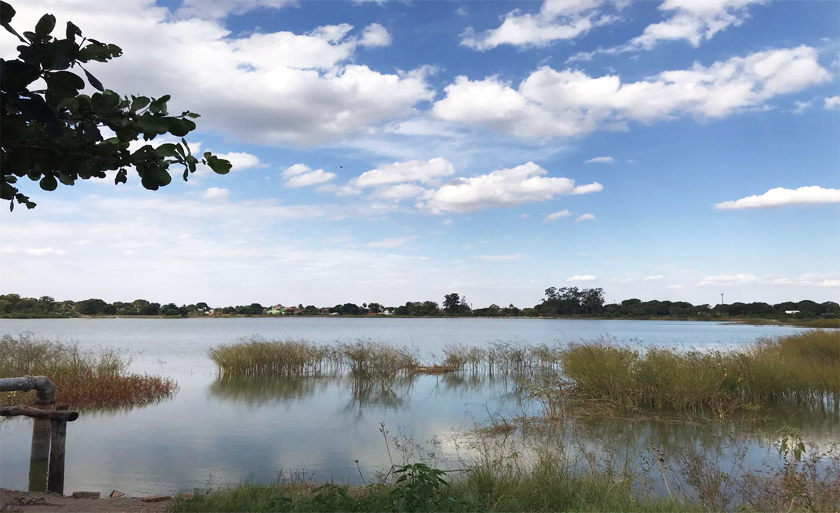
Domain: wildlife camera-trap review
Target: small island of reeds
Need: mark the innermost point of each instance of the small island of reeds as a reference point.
(83, 379)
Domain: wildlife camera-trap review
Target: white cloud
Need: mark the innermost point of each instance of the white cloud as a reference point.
(501, 188)
(829, 283)
(831, 103)
(375, 35)
(582, 277)
(392, 242)
(728, 279)
(557, 215)
(215, 193)
(556, 20)
(34, 251)
(653, 278)
(585, 217)
(240, 160)
(500, 258)
(273, 88)
(399, 192)
(588, 188)
(693, 21)
(600, 160)
(551, 103)
(780, 196)
(800, 106)
(301, 175)
(411, 171)
(675, 286)
(223, 8)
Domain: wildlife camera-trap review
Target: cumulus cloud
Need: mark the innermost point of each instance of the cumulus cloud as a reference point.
(813, 195)
(653, 278)
(501, 188)
(582, 277)
(728, 279)
(224, 8)
(551, 103)
(585, 217)
(421, 171)
(831, 103)
(399, 192)
(600, 160)
(301, 175)
(556, 20)
(555, 216)
(215, 193)
(692, 21)
(279, 88)
(240, 160)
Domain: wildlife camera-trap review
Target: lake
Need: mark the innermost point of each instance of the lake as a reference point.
(224, 432)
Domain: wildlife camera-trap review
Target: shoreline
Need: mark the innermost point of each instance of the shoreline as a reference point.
(802, 323)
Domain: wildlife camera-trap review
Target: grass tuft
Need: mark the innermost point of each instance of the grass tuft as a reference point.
(83, 379)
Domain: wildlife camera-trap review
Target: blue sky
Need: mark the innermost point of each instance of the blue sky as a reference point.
(394, 151)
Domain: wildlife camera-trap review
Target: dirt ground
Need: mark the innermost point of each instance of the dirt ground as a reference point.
(34, 502)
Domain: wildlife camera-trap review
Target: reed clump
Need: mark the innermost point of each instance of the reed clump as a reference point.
(83, 379)
(259, 357)
(362, 359)
(798, 369)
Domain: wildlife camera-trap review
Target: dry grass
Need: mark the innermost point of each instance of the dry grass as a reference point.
(83, 379)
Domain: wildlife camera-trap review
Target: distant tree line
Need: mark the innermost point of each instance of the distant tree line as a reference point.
(558, 302)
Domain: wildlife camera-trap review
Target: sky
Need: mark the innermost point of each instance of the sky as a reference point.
(393, 151)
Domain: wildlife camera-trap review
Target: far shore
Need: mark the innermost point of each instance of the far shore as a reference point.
(805, 323)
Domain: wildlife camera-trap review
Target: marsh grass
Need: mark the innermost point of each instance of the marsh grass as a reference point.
(363, 359)
(798, 369)
(83, 379)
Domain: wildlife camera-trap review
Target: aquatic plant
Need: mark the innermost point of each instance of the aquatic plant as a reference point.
(802, 368)
(83, 379)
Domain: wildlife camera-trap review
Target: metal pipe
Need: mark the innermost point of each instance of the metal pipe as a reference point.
(41, 384)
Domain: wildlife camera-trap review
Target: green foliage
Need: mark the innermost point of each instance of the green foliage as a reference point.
(418, 488)
(53, 135)
(797, 369)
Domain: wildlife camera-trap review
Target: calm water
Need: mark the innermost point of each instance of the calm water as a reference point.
(218, 433)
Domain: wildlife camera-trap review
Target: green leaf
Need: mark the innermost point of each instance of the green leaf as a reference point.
(72, 31)
(63, 84)
(48, 183)
(66, 179)
(122, 177)
(139, 103)
(152, 124)
(180, 127)
(159, 106)
(94, 81)
(219, 166)
(6, 12)
(45, 25)
(167, 150)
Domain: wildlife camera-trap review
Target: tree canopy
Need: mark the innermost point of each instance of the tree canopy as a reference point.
(54, 135)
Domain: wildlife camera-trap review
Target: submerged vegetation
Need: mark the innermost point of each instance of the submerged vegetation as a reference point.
(543, 473)
(83, 379)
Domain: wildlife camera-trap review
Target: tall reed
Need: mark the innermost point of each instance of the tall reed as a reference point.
(83, 378)
(798, 369)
